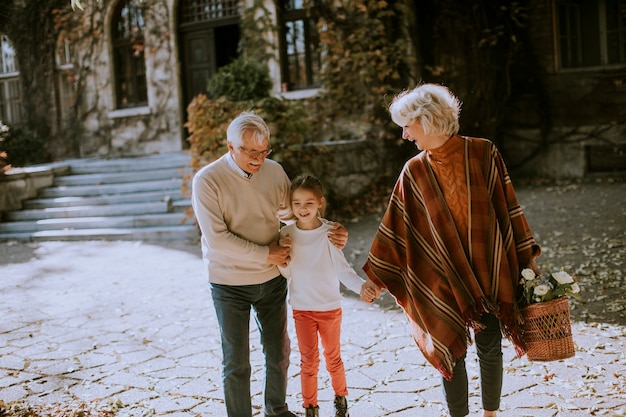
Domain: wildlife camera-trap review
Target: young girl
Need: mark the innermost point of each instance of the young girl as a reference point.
(314, 273)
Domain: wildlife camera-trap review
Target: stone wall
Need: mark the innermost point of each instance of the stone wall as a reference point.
(566, 151)
(566, 115)
(357, 164)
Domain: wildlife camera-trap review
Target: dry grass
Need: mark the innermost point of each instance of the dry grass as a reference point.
(68, 409)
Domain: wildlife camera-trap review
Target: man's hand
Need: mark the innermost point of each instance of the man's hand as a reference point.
(338, 235)
(279, 255)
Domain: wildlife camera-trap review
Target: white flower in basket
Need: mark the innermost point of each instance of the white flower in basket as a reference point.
(545, 287)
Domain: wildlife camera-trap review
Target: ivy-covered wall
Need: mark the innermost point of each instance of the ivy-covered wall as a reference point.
(105, 130)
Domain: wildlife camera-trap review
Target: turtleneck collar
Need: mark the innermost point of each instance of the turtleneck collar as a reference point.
(446, 152)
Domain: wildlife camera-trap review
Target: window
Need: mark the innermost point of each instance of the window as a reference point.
(300, 50)
(616, 31)
(10, 88)
(128, 55)
(207, 10)
(66, 94)
(591, 33)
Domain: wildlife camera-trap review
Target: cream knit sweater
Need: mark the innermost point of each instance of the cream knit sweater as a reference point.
(239, 215)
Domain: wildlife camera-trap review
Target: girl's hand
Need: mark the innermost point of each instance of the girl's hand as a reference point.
(285, 241)
(369, 291)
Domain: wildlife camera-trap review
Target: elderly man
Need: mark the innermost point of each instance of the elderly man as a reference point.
(239, 201)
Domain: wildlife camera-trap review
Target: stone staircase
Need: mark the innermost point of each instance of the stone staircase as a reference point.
(117, 199)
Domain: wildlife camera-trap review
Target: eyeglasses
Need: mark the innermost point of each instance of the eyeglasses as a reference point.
(257, 154)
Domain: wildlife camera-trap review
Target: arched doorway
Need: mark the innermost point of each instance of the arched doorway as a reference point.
(208, 39)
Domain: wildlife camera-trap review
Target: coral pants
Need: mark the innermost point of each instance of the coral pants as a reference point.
(328, 325)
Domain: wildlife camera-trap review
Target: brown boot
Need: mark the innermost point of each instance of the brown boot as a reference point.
(312, 411)
(341, 406)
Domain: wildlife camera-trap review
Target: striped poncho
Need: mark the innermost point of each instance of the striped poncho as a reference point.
(444, 285)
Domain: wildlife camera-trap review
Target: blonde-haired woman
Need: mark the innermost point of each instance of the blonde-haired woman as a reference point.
(451, 245)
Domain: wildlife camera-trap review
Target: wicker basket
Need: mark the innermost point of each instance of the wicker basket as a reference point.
(547, 331)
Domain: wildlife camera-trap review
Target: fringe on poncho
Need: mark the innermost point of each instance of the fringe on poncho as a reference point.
(418, 257)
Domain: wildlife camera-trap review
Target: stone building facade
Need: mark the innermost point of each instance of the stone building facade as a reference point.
(126, 77)
(128, 72)
(135, 103)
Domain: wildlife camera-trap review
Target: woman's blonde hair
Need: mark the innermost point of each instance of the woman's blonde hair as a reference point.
(431, 105)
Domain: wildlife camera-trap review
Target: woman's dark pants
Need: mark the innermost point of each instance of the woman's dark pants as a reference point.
(489, 348)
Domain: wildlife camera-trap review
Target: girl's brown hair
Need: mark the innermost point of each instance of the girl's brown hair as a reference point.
(310, 183)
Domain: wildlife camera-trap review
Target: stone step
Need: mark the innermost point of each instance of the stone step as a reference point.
(146, 234)
(156, 162)
(107, 199)
(104, 222)
(89, 211)
(93, 190)
(120, 177)
(122, 199)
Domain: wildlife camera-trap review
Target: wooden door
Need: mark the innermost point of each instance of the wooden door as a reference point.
(208, 39)
(198, 64)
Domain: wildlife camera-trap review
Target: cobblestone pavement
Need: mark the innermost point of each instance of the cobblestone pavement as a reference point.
(130, 325)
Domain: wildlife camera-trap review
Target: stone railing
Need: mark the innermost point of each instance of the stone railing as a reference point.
(19, 184)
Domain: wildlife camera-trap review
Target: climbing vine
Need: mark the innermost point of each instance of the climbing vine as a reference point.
(257, 24)
(366, 56)
(36, 80)
(479, 48)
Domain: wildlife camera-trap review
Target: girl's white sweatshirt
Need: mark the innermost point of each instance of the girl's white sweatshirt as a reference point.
(316, 269)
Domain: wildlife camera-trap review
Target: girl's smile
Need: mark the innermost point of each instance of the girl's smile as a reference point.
(305, 206)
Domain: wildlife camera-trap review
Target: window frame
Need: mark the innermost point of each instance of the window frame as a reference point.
(128, 56)
(11, 101)
(66, 86)
(294, 12)
(587, 30)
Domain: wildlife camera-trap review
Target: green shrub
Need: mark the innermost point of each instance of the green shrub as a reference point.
(20, 146)
(290, 124)
(241, 80)
(288, 120)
